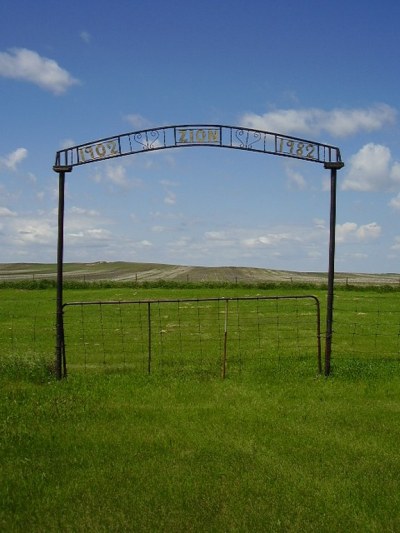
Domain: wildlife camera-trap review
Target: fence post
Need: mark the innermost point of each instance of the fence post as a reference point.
(149, 337)
(60, 364)
(225, 354)
(331, 271)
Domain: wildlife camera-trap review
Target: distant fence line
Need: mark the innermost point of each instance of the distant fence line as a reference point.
(144, 277)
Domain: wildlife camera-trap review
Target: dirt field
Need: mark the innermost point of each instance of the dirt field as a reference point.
(141, 272)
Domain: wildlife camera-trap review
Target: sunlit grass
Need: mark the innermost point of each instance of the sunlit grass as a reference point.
(276, 448)
(272, 452)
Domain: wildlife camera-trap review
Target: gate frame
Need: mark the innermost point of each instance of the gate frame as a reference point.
(226, 300)
(223, 136)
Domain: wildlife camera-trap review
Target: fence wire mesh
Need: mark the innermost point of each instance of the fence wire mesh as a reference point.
(206, 335)
(366, 327)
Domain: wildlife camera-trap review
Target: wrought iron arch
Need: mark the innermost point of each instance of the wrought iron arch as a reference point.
(190, 135)
(211, 135)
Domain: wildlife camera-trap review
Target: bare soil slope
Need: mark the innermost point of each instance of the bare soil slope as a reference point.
(141, 272)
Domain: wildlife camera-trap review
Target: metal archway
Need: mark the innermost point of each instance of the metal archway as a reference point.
(189, 135)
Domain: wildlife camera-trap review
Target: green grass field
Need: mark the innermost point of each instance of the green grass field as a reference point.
(275, 449)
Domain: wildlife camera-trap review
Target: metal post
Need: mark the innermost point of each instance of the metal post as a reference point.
(334, 167)
(149, 336)
(60, 366)
(224, 359)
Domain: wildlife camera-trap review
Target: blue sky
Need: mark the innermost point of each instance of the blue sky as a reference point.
(73, 72)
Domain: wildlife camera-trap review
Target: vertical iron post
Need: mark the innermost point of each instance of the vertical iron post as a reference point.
(333, 167)
(149, 337)
(60, 366)
(224, 358)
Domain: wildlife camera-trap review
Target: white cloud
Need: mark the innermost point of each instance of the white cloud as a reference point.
(117, 175)
(5, 212)
(85, 36)
(395, 202)
(170, 198)
(315, 254)
(80, 220)
(395, 172)
(27, 65)
(313, 121)
(35, 231)
(14, 158)
(81, 211)
(86, 229)
(216, 235)
(352, 232)
(99, 233)
(220, 238)
(369, 231)
(138, 121)
(319, 223)
(270, 239)
(67, 143)
(33, 237)
(168, 183)
(182, 243)
(342, 122)
(396, 245)
(296, 180)
(76, 235)
(144, 244)
(253, 246)
(372, 169)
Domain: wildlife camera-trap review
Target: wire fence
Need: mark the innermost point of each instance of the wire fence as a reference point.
(367, 326)
(27, 331)
(214, 335)
(185, 335)
(201, 276)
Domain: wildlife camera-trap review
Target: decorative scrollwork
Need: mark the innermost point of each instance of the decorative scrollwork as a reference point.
(147, 139)
(195, 135)
(247, 138)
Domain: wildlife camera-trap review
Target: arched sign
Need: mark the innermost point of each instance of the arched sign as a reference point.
(197, 135)
(189, 135)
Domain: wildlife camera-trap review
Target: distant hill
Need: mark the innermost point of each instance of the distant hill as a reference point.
(141, 272)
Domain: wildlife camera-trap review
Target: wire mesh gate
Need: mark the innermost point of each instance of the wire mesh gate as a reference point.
(211, 335)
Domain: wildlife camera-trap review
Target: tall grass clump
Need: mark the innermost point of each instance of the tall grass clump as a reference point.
(32, 367)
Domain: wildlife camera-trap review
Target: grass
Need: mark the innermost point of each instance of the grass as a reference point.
(276, 449)
(366, 321)
(262, 453)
